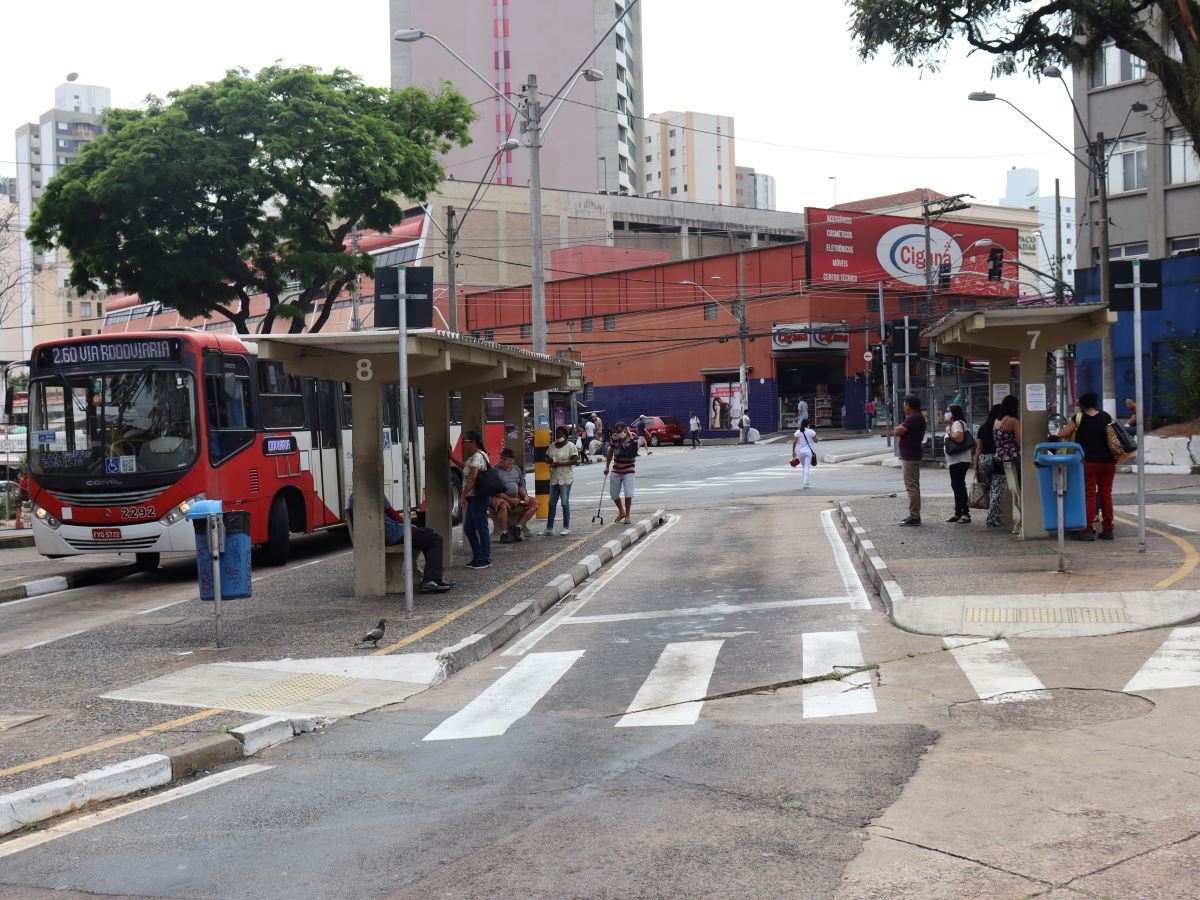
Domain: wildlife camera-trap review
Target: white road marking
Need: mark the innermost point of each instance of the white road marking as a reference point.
(57, 637)
(841, 556)
(1175, 664)
(715, 609)
(593, 587)
(829, 651)
(993, 669)
(509, 698)
(73, 826)
(680, 675)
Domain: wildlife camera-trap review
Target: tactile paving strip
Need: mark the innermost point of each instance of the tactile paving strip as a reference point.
(1053, 615)
(285, 693)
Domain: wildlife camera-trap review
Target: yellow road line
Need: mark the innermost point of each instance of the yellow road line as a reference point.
(1192, 558)
(490, 595)
(111, 742)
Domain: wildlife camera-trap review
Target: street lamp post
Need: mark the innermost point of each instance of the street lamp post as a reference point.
(739, 314)
(531, 124)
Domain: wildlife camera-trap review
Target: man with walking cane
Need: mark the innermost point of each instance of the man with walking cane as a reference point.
(622, 455)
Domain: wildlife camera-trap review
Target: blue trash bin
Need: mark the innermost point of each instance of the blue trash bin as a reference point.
(235, 561)
(1053, 455)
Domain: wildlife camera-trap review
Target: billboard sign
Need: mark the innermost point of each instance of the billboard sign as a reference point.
(809, 336)
(847, 248)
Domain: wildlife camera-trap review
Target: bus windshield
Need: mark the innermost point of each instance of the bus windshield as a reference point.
(112, 423)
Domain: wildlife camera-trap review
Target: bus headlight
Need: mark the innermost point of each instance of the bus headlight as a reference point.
(43, 515)
(182, 509)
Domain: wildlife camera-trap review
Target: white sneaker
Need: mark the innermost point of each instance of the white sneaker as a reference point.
(549, 532)
(564, 532)
(807, 486)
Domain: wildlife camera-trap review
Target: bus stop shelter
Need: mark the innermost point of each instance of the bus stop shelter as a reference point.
(439, 363)
(997, 335)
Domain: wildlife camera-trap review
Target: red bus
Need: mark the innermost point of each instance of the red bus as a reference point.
(125, 433)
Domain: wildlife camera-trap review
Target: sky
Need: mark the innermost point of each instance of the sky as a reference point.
(807, 110)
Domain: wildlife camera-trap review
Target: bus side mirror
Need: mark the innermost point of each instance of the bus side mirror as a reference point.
(9, 394)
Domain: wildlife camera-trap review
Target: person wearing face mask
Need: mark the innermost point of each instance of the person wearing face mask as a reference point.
(564, 456)
(958, 460)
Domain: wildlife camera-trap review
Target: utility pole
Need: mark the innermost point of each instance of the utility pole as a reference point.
(741, 309)
(931, 210)
(1060, 355)
(451, 267)
(1108, 364)
(531, 124)
(883, 365)
(355, 319)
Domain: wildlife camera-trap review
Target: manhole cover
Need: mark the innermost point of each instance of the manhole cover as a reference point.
(1055, 709)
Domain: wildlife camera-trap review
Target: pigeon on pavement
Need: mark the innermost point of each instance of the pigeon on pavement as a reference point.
(375, 634)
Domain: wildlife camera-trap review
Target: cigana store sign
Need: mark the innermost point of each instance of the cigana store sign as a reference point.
(808, 336)
(846, 248)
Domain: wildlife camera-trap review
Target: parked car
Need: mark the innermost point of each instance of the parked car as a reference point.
(662, 430)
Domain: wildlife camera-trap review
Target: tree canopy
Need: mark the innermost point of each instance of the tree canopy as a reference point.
(240, 186)
(1032, 34)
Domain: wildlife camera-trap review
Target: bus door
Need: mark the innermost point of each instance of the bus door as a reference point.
(325, 458)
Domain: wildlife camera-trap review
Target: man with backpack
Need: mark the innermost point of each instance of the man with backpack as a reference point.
(622, 456)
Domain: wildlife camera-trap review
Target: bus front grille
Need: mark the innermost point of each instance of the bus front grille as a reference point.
(118, 498)
(113, 546)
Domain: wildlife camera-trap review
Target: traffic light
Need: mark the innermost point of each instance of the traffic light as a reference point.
(995, 263)
(944, 276)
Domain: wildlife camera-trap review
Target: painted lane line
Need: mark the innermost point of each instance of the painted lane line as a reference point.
(682, 672)
(57, 637)
(854, 588)
(1175, 664)
(829, 651)
(994, 669)
(83, 823)
(715, 609)
(593, 587)
(508, 699)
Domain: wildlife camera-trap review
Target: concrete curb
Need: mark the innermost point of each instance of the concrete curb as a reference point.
(502, 629)
(835, 458)
(26, 808)
(55, 583)
(878, 572)
(12, 539)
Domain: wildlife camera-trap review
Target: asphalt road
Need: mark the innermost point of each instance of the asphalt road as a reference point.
(666, 732)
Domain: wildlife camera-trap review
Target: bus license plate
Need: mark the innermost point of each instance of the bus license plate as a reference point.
(106, 534)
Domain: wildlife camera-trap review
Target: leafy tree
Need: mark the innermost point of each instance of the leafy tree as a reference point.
(1035, 33)
(1179, 370)
(12, 277)
(239, 186)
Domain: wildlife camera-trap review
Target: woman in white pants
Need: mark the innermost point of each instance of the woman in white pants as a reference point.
(803, 442)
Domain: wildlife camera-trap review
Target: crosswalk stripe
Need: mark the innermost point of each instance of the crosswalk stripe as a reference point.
(681, 674)
(512, 696)
(828, 651)
(993, 668)
(1175, 664)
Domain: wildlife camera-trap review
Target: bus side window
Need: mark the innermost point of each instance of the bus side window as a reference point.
(493, 408)
(455, 408)
(280, 398)
(227, 404)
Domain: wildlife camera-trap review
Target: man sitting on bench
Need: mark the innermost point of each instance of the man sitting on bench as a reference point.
(515, 501)
(424, 540)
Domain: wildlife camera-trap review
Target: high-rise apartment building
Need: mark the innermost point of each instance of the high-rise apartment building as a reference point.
(595, 140)
(1023, 191)
(44, 147)
(755, 190)
(1153, 170)
(689, 156)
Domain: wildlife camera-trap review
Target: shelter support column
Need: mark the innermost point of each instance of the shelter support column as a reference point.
(514, 412)
(1033, 431)
(438, 511)
(370, 577)
(472, 414)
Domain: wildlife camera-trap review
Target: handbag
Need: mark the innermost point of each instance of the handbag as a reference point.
(488, 483)
(1120, 443)
(968, 442)
(813, 462)
(978, 498)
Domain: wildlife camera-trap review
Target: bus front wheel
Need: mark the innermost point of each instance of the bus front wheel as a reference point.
(278, 533)
(146, 562)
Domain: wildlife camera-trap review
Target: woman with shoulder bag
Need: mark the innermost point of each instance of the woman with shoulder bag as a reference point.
(958, 446)
(988, 471)
(802, 450)
(1007, 435)
(1089, 429)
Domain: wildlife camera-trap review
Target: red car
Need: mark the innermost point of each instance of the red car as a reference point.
(661, 430)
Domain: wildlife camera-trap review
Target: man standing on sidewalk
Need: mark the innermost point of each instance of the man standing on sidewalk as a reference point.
(745, 424)
(694, 428)
(911, 436)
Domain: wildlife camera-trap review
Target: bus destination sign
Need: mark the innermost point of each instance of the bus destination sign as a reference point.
(279, 445)
(115, 351)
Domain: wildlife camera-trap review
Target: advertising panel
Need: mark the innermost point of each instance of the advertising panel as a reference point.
(809, 336)
(724, 404)
(853, 248)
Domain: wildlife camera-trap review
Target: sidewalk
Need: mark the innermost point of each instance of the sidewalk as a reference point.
(948, 579)
(151, 682)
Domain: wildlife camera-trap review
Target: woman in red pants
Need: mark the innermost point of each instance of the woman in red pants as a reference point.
(1089, 429)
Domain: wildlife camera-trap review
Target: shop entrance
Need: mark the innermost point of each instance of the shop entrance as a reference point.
(821, 385)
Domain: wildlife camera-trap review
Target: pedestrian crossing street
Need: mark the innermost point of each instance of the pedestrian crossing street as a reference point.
(673, 690)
